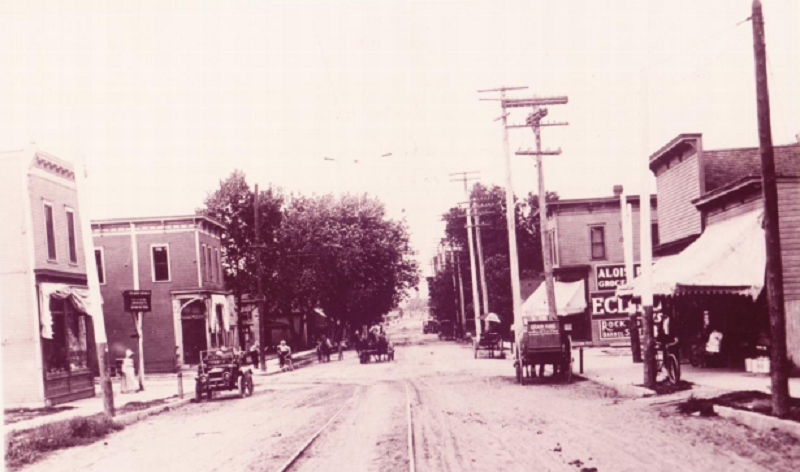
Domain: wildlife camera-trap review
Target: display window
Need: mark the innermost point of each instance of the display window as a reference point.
(68, 350)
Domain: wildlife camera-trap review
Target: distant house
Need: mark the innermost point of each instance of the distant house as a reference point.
(48, 341)
(178, 258)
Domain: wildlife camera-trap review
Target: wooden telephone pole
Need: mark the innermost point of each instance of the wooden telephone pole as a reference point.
(473, 272)
(777, 316)
(534, 121)
(511, 221)
(262, 317)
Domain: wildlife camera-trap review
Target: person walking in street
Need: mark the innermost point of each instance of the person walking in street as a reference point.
(284, 355)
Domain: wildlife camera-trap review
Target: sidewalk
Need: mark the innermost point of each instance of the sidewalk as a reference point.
(613, 366)
(162, 387)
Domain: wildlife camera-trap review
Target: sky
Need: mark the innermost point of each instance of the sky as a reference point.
(163, 99)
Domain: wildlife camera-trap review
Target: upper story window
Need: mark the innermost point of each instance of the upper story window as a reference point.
(50, 231)
(598, 242)
(100, 260)
(215, 272)
(73, 250)
(551, 239)
(219, 266)
(203, 267)
(160, 262)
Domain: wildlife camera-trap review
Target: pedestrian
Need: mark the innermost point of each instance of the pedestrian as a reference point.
(254, 352)
(284, 354)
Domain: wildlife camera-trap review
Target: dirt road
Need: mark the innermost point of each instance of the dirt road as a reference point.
(467, 415)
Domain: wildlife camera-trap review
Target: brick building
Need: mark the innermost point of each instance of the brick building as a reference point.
(48, 341)
(588, 263)
(178, 258)
(710, 223)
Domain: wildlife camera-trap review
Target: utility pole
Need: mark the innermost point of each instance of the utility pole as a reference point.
(646, 253)
(627, 250)
(511, 221)
(473, 272)
(461, 295)
(777, 316)
(96, 305)
(455, 286)
(262, 317)
(534, 121)
(481, 267)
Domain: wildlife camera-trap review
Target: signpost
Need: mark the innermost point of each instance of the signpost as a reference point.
(138, 302)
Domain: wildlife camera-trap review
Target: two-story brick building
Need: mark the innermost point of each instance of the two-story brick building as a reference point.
(588, 263)
(48, 341)
(710, 223)
(177, 258)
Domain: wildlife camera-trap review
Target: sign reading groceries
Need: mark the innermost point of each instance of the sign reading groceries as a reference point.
(611, 276)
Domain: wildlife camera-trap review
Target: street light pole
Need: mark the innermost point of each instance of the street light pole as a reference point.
(262, 325)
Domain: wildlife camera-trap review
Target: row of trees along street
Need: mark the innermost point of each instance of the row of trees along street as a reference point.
(341, 254)
(443, 286)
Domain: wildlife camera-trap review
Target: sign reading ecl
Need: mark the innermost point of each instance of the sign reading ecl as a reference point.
(607, 305)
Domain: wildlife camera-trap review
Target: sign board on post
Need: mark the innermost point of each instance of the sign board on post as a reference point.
(137, 301)
(611, 276)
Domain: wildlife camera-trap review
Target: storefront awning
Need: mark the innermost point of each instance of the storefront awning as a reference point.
(729, 257)
(79, 296)
(570, 300)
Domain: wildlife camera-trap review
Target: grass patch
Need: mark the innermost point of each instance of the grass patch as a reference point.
(15, 415)
(28, 446)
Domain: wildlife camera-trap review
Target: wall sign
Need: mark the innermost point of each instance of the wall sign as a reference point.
(607, 305)
(611, 276)
(137, 300)
(618, 328)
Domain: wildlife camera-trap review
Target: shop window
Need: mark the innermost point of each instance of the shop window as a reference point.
(50, 231)
(73, 250)
(67, 351)
(598, 239)
(99, 260)
(160, 262)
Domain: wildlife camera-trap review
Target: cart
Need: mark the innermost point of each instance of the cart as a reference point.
(544, 342)
(446, 330)
(489, 342)
(223, 370)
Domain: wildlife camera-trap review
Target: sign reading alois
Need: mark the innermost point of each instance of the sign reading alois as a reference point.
(611, 276)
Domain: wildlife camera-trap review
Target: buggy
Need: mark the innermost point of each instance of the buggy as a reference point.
(489, 342)
(223, 370)
(544, 342)
(446, 330)
(379, 349)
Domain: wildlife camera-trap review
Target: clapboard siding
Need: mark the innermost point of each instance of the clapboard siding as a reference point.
(789, 219)
(678, 184)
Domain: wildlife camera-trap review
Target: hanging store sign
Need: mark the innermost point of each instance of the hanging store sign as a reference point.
(618, 328)
(137, 301)
(611, 276)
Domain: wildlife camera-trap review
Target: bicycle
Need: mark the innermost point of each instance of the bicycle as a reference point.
(667, 361)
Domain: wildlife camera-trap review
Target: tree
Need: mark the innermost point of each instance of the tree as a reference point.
(494, 241)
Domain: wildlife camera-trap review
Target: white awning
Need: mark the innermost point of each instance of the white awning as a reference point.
(79, 296)
(729, 257)
(570, 300)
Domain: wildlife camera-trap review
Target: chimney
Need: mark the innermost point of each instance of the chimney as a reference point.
(617, 190)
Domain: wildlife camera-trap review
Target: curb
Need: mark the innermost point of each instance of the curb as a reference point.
(130, 418)
(625, 390)
(758, 421)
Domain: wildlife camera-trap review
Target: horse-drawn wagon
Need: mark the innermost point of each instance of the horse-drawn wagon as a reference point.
(544, 342)
(489, 342)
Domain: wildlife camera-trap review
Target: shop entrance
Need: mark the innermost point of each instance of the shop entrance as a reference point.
(193, 327)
